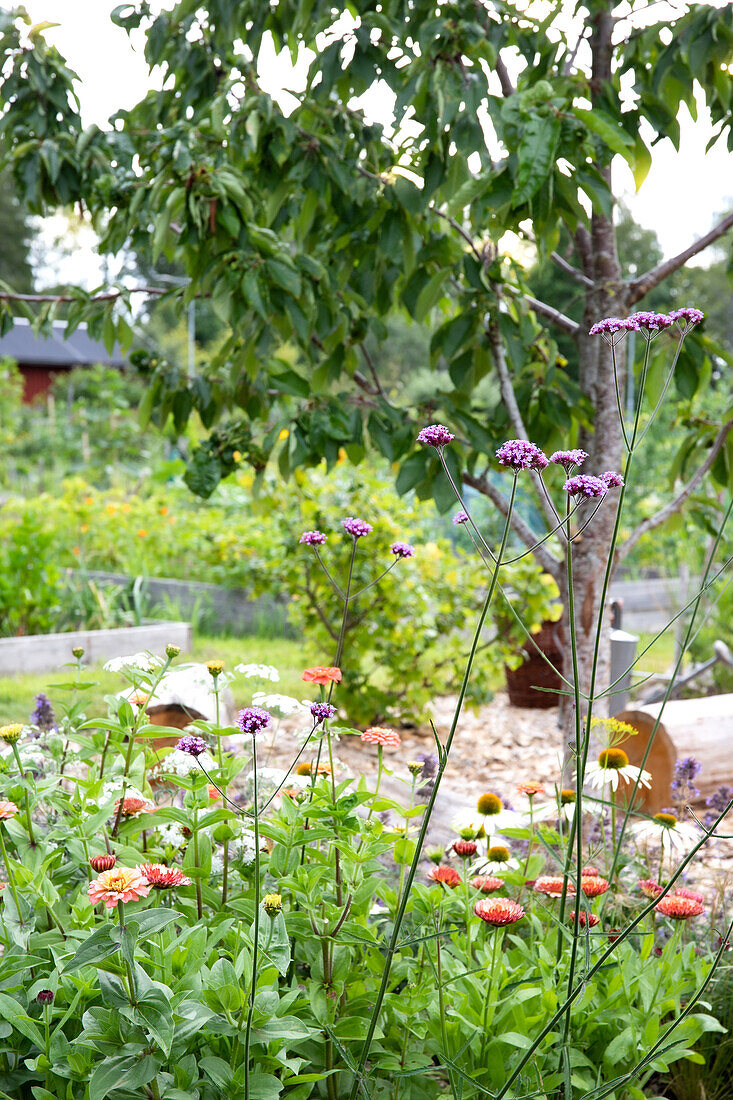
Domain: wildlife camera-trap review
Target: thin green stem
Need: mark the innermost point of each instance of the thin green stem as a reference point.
(11, 876)
(496, 936)
(256, 927)
(26, 795)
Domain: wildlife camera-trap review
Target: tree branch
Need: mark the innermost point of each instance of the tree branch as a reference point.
(526, 534)
(108, 296)
(674, 506)
(552, 314)
(641, 286)
(570, 270)
(507, 88)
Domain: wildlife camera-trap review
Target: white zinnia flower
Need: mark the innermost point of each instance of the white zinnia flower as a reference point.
(258, 672)
(613, 764)
(143, 662)
(666, 830)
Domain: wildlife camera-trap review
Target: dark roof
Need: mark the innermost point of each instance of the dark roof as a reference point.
(59, 350)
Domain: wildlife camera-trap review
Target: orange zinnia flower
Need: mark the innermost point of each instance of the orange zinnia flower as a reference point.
(133, 807)
(552, 886)
(447, 875)
(487, 883)
(379, 735)
(679, 908)
(593, 885)
(7, 809)
(322, 675)
(531, 788)
(120, 884)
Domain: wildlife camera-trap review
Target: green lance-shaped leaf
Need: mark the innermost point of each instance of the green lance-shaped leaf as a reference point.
(610, 132)
(536, 156)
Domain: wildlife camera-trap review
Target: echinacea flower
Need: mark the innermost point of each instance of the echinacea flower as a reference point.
(121, 884)
(465, 848)
(487, 884)
(253, 720)
(104, 862)
(402, 549)
(552, 886)
(665, 829)
(7, 810)
(679, 908)
(313, 538)
(499, 856)
(435, 435)
(133, 807)
(574, 457)
(379, 735)
(593, 885)
(357, 528)
(613, 765)
(498, 911)
(448, 876)
(162, 877)
(322, 675)
(520, 454)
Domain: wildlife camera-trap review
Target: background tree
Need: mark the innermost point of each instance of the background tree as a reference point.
(309, 230)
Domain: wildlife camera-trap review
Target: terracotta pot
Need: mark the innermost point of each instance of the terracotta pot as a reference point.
(523, 683)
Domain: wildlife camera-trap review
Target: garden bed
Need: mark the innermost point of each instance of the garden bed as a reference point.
(43, 652)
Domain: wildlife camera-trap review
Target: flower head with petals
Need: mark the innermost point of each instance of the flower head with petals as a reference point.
(357, 528)
(459, 518)
(193, 746)
(253, 720)
(435, 435)
(613, 765)
(447, 876)
(586, 486)
(679, 908)
(313, 538)
(591, 919)
(162, 877)
(321, 712)
(574, 457)
(520, 454)
(487, 884)
(552, 885)
(498, 911)
(593, 885)
(7, 810)
(379, 735)
(612, 480)
(322, 675)
(134, 807)
(120, 884)
(402, 549)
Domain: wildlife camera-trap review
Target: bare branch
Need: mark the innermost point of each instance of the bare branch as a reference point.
(373, 371)
(108, 296)
(507, 88)
(641, 286)
(674, 506)
(459, 229)
(570, 270)
(527, 535)
(554, 315)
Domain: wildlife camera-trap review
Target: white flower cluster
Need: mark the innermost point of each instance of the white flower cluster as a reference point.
(282, 706)
(143, 662)
(182, 763)
(113, 789)
(172, 834)
(258, 672)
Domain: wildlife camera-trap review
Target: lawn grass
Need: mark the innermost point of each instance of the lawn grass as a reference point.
(661, 655)
(289, 657)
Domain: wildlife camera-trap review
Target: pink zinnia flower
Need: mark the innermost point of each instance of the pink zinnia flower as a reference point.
(379, 735)
(552, 886)
(465, 848)
(133, 807)
(498, 911)
(593, 885)
(447, 875)
(322, 675)
(162, 877)
(650, 888)
(487, 883)
(679, 908)
(120, 884)
(531, 788)
(683, 892)
(7, 809)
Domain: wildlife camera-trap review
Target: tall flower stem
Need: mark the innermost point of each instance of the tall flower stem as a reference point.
(220, 754)
(255, 926)
(445, 751)
(496, 937)
(11, 876)
(131, 990)
(199, 898)
(26, 796)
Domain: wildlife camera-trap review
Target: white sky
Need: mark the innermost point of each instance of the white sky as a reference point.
(680, 199)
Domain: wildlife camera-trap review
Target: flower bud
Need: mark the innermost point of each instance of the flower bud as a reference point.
(10, 734)
(44, 996)
(273, 903)
(172, 650)
(414, 767)
(215, 668)
(77, 652)
(101, 863)
(435, 854)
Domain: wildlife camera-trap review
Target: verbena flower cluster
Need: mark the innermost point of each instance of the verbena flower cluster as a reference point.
(574, 457)
(322, 711)
(253, 720)
(646, 320)
(357, 528)
(585, 485)
(313, 538)
(402, 549)
(520, 454)
(191, 745)
(435, 435)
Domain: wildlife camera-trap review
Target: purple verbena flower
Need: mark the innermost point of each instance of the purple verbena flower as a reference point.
(688, 314)
(435, 435)
(575, 457)
(652, 322)
(459, 518)
(520, 454)
(313, 538)
(322, 711)
(356, 527)
(610, 325)
(585, 485)
(194, 746)
(43, 717)
(253, 719)
(718, 801)
(402, 549)
(612, 479)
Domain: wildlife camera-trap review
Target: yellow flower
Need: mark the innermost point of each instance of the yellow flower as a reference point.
(10, 734)
(236, 455)
(273, 903)
(284, 434)
(111, 509)
(142, 533)
(89, 500)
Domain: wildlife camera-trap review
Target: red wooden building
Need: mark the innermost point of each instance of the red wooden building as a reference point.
(40, 358)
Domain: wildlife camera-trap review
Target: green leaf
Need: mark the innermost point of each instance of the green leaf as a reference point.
(430, 294)
(264, 1086)
(12, 1012)
(100, 945)
(536, 155)
(609, 131)
(153, 920)
(642, 161)
(285, 276)
(112, 1073)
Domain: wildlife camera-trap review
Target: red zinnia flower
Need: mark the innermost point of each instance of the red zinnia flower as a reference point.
(378, 735)
(447, 875)
(552, 886)
(162, 877)
(679, 908)
(487, 883)
(102, 863)
(591, 919)
(133, 807)
(498, 911)
(465, 848)
(650, 888)
(322, 675)
(593, 885)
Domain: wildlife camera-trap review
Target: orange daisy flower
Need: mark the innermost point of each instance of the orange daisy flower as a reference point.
(322, 675)
(379, 735)
(120, 884)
